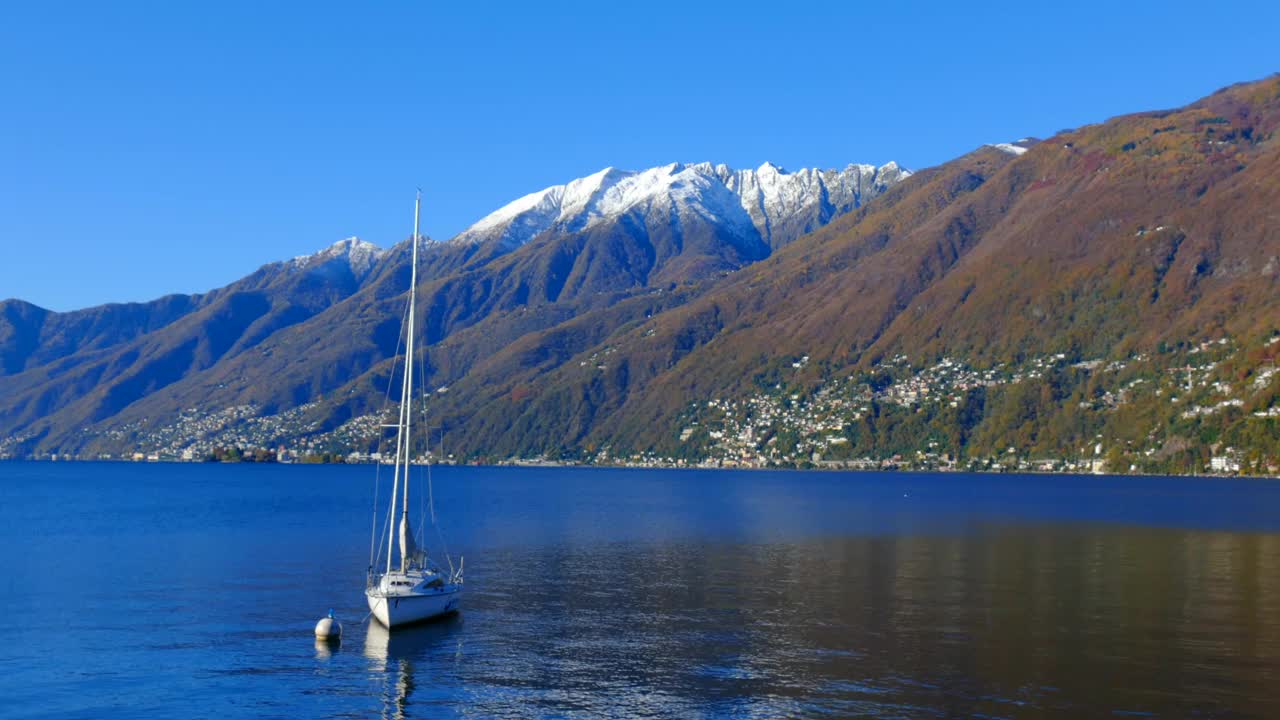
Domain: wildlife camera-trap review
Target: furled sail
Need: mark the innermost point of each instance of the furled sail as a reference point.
(408, 548)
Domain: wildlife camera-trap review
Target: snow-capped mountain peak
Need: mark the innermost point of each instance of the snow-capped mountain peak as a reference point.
(768, 200)
(359, 254)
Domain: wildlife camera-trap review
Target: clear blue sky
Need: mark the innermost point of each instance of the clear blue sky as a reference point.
(149, 148)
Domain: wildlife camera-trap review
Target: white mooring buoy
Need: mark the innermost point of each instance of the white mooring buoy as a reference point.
(329, 628)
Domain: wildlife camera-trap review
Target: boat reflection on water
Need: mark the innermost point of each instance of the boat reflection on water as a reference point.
(415, 642)
(397, 657)
(325, 647)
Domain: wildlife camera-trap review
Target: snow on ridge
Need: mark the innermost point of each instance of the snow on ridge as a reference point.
(1009, 147)
(360, 255)
(760, 197)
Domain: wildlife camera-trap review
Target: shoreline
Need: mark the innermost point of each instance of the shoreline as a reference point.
(546, 464)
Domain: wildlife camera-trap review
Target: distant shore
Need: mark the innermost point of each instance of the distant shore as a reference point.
(664, 466)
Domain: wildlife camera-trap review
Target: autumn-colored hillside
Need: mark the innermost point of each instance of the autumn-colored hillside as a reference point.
(1152, 230)
(1109, 296)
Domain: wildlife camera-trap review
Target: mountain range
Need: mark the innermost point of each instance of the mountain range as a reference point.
(1108, 292)
(92, 379)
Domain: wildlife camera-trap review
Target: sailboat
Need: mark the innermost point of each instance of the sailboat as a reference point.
(415, 588)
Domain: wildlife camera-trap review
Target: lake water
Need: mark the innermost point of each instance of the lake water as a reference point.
(131, 590)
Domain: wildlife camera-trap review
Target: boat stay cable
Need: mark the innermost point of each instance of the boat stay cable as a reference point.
(375, 544)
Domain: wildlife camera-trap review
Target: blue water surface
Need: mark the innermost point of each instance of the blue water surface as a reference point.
(190, 590)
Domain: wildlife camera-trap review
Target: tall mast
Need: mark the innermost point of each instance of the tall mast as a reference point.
(403, 451)
(406, 399)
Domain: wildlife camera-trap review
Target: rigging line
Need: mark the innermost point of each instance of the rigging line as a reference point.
(375, 547)
(430, 486)
(431, 502)
(391, 523)
(426, 472)
(431, 494)
(404, 436)
(395, 486)
(444, 547)
(400, 471)
(423, 503)
(422, 510)
(406, 394)
(373, 523)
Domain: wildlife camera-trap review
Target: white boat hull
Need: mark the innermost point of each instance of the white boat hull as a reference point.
(394, 610)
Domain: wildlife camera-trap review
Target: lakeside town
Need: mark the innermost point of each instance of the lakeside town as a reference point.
(789, 425)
